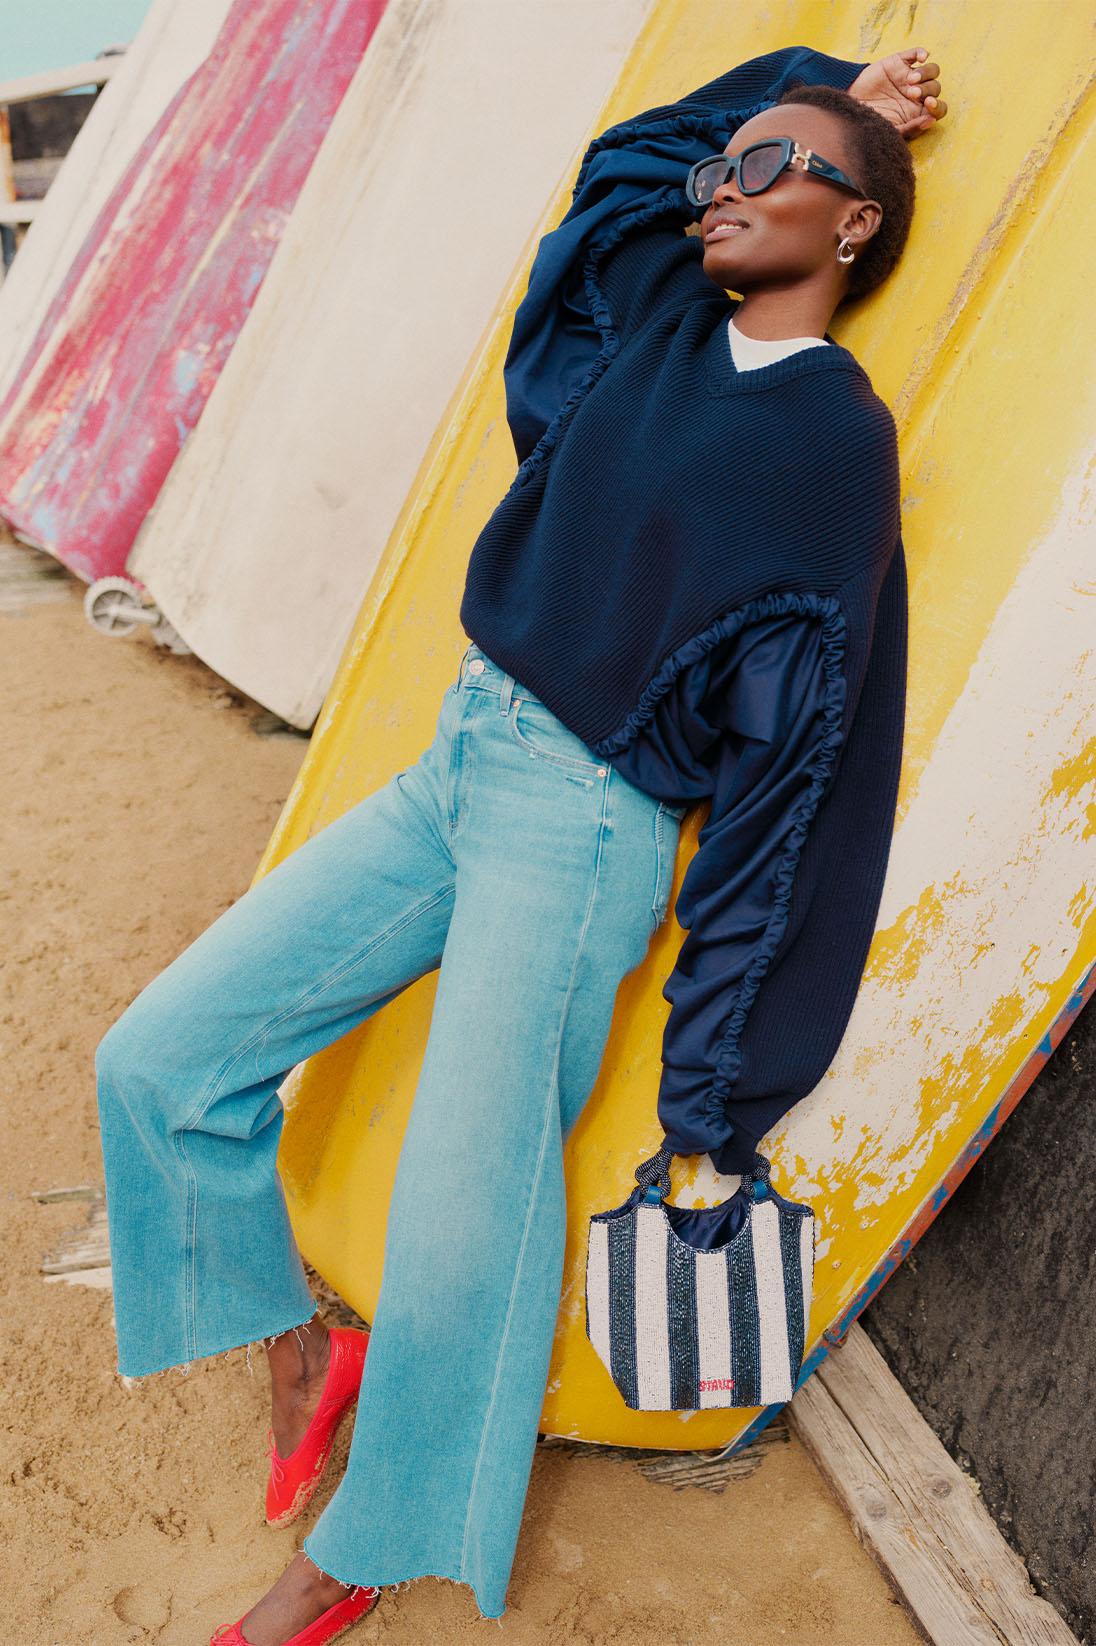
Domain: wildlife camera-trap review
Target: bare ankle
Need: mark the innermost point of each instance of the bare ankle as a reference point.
(299, 1355)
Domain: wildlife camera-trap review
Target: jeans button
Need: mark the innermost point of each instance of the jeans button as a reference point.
(476, 666)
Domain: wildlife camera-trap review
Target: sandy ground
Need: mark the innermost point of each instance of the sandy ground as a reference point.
(137, 798)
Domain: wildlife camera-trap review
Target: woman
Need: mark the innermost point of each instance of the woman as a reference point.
(693, 591)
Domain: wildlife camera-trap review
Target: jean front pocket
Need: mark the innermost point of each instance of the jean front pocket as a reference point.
(539, 734)
(667, 828)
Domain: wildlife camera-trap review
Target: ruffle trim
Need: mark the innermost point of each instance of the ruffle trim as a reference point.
(712, 122)
(670, 201)
(826, 609)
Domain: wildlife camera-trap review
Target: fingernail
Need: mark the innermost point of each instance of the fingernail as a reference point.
(930, 102)
(914, 76)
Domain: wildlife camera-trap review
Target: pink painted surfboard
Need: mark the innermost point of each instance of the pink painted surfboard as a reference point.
(139, 330)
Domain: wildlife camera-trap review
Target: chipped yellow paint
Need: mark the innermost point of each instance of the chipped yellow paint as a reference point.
(899, 950)
(972, 341)
(1075, 776)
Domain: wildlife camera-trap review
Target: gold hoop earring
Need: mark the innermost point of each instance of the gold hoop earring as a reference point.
(846, 246)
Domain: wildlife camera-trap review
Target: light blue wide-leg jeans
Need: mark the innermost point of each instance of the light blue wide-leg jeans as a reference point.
(533, 875)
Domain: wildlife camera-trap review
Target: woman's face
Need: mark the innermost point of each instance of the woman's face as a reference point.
(789, 234)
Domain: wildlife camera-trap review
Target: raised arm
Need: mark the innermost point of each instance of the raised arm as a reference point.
(620, 251)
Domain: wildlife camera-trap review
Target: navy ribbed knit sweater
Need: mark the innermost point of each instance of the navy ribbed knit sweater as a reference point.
(699, 572)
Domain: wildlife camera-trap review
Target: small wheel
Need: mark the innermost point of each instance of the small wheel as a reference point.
(112, 605)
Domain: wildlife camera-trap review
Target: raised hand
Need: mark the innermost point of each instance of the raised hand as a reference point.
(904, 88)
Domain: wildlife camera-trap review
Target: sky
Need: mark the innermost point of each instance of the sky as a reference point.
(52, 34)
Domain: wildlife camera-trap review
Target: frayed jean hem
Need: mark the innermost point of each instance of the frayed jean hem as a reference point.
(259, 1340)
(396, 1582)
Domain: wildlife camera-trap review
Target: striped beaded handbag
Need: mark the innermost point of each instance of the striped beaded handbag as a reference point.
(695, 1309)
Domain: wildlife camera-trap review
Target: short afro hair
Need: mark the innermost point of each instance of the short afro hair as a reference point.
(882, 167)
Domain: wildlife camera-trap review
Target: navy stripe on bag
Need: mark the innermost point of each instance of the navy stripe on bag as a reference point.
(683, 1329)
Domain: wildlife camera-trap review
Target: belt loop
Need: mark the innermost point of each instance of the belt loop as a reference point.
(506, 694)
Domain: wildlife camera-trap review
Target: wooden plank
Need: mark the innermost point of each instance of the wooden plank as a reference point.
(82, 1256)
(914, 1509)
(708, 1471)
(79, 1191)
(19, 211)
(50, 81)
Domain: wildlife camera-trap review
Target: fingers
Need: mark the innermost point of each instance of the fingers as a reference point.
(923, 86)
(923, 74)
(926, 120)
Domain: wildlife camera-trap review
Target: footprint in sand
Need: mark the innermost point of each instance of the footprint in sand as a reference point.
(140, 1604)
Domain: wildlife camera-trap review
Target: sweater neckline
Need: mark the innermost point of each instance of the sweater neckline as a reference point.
(724, 377)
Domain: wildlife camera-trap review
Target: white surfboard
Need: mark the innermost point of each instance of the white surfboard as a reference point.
(460, 123)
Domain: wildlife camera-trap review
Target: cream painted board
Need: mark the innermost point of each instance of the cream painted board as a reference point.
(460, 123)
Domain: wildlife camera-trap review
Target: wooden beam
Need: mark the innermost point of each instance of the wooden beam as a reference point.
(7, 165)
(51, 81)
(913, 1508)
(19, 211)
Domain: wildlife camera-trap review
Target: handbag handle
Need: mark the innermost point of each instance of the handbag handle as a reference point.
(755, 1180)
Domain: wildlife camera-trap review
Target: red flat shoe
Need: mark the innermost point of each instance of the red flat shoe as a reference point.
(293, 1479)
(326, 1627)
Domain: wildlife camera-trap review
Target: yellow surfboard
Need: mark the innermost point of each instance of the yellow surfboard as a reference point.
(984, 343)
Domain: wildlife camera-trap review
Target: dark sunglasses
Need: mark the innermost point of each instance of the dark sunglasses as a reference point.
(757, 169)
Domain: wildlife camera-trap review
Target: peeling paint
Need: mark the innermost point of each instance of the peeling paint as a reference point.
(984, 935)
(134, 340)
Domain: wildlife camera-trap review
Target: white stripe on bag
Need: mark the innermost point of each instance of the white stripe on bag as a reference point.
(652, 1325)
(772, 1315)
(713, 1335)
(597, 1292)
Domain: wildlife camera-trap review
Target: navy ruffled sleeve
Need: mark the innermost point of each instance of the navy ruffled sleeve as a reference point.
(753, 717)
(630, 199)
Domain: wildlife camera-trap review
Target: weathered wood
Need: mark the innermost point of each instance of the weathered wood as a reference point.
(83, 1255)
(28, 86)
(101, 1280)
(914, 1509)
(80, 1191)
(708, 1471)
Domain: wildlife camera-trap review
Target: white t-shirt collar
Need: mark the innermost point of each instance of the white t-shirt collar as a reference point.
(751, 352)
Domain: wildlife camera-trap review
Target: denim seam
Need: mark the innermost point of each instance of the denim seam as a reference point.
(458, 774)
(591, 767)
(664, 871)
(554, 1085)
(215, 1087)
